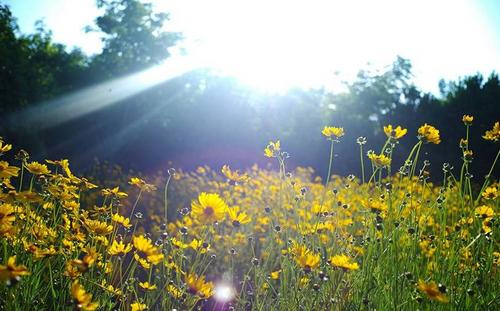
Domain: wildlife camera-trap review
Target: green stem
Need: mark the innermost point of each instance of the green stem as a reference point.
(166, 198)
(487, 181)
(362, 163)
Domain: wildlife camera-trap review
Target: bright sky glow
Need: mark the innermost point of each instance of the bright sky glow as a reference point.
(273, 45)
(223, 293)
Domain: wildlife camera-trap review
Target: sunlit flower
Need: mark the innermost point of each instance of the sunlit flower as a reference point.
(4, 148)
(99, 227)
(272, 149)
(332, 132)
(432, 291)
(234, 176)
(209, 208)
(394, 133)
(494, 133)
(484, 211)
(379, 160)
(81, 298)
(490, 193)
(124, 221)
(36, 168)
(429, 134)
(12, 272)
(237, 218)
(7, 171)
(137, 306)
(142, 185)
(119, 248)
(344, 262)
(147, 286)
(115, 192)
(304, 257)
(197, 285)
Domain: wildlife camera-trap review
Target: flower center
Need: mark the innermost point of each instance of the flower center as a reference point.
(209, 211)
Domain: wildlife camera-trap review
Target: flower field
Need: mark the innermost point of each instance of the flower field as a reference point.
(259, 239)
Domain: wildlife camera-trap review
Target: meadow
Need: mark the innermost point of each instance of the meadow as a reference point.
(256, 239)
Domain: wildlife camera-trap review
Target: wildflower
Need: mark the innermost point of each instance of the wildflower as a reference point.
(174, 291)
(4, 148)
(115, 192)
(332, 132)
(7, 171)
(6, 214)
(36, 168)
(379, 160)
(209, 208)
(234, 176)
(124, 221)
(142, 185)
(304, 257)
(468, 155)
(275, 275)
(396, 133)
(147, 286)
(237, 218)
(12, 272)
(119, 248)
(490, 193)
(467, 119)
(272, 150)
(145, 247)
(432, 291)
(429, 134)
(484, 211)
(81, 298)
(197, 285)
(137, 306)
(494, 133)
(98, 227)
(361, 140)
(344, 262)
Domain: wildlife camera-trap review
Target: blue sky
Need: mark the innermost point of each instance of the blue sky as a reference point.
(275, 44)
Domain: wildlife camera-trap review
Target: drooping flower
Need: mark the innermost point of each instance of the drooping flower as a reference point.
(429, 134)
(209, 208)
(467, 120)
(344, 262)
(142, 185)
(394, 133)
(7, 171)
(272, 150)
(432, 291)
(124, 221)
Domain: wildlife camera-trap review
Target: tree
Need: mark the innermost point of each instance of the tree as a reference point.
(133, 37)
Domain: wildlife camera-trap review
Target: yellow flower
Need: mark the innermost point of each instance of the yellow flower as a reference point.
(379, 160)
(6, 214)
(494, 133)
(147, 286)
(142, 185)
(272, 150)
(36, 168)
(432, 291)
(98, 227)
(332, 132)
(396, 133)
(12, 272)
(275, 275)
(304, 257)
(81, 298)
(484, 211)
(234, 176)
(429, 134)
(344, 262)
(490, 193)
(137, 306)
(174, 291)
(237, 218)
(115, 192)
(209, 208)
(119, 248)
(467, 119)
(197, 285)
(7, 171)
(4, 148)
(124, 221)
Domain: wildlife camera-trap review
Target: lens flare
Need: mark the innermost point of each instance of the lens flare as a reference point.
(224, 292)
